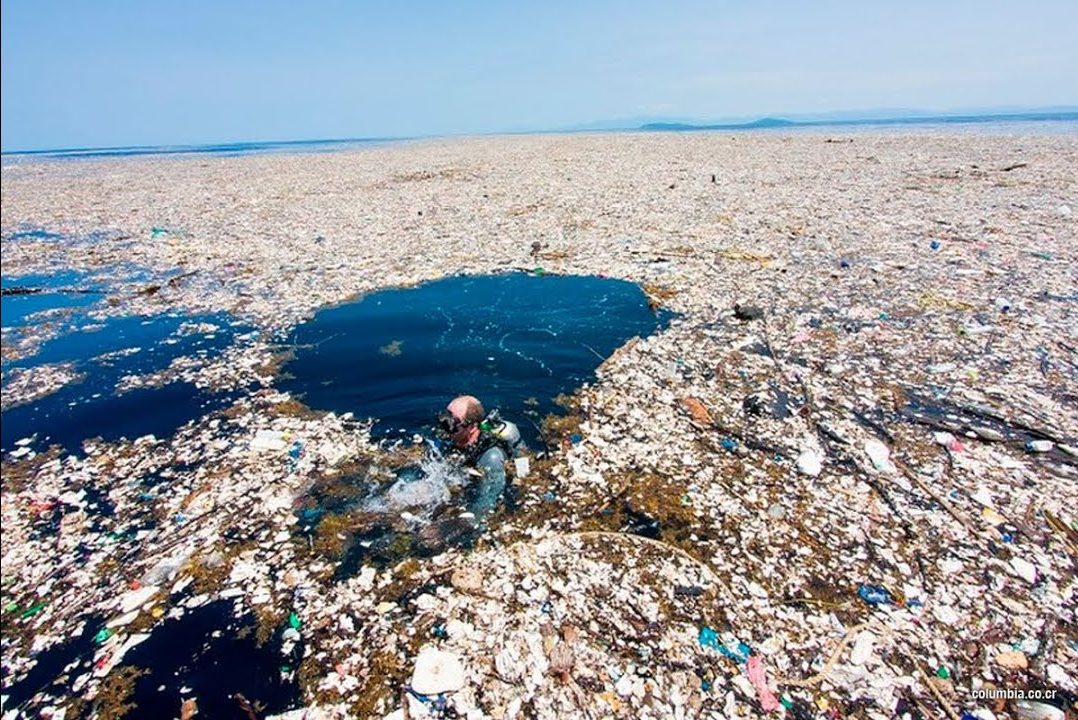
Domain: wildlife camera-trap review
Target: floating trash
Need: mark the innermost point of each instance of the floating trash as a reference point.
(98, 394)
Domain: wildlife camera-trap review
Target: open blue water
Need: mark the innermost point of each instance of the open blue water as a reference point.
(225, 149)
(210, 653)
(55, 294)
(103, 354)
(515, 341)
(1053, 122)
(102, 351)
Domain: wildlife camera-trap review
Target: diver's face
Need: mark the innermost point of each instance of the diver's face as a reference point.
(465, 435)
(460, 433)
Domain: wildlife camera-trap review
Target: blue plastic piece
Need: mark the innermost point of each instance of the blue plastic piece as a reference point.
(874, 594)
(709, 638)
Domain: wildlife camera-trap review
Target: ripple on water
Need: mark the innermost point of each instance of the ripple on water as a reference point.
(516, 341)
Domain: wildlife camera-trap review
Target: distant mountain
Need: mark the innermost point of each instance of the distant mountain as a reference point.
(762, 123)
(901, 118)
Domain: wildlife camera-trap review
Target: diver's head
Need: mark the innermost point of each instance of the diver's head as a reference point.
(461, 419)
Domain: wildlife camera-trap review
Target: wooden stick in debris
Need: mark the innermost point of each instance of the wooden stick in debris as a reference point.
(943, 502)
(938, 695)
(1065, 533)
(828, 666)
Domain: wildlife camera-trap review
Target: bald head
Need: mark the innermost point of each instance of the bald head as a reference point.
(466, 409)
(468, 412)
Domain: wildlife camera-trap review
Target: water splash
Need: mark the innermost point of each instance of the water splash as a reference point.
(422, 489)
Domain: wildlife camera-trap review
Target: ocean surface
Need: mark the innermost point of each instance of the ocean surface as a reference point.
(1055, 123)
(221, 149)
(516, 341)
(101, 350)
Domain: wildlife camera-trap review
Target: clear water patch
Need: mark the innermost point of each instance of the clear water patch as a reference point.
(104, 353)
(213, 654)
(515, 341)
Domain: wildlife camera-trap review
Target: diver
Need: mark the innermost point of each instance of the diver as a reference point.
(472, 448)
(484, 443)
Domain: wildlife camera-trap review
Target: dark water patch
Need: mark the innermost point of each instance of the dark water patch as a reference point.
(67, 418)
(103, 353)
(50, 675)
(149, 342)
(34, 234)
(40, 306)
(212, 654)
(221, 149)
(26, 296)
(516, 341)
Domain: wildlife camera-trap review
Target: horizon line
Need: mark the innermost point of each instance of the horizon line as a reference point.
(653, 125)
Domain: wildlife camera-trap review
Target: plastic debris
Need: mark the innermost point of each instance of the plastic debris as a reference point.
(32, 610)
(862, 647)
(1039, 446)
(746, 313)
(1033, 710)
(437, 672)
(879, 455)
(874, 594)
(1012, 660)
(1024, 569)
(136, 598)
(269, 440)
(758, 677)
(709, 638)
(810, 462)
(521, 467)
(894, 344)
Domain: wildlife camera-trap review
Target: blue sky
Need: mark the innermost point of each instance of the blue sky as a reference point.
(79, 74)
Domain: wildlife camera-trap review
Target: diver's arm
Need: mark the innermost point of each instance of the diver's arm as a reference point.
(491, 485)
